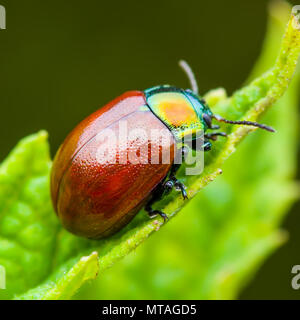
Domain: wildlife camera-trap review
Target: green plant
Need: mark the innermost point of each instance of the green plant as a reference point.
(43, 261)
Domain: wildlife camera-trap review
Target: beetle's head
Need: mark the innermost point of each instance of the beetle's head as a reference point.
(185, 113)
(205, 114)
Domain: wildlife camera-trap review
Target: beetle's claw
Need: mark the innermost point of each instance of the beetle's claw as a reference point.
(174, 182)
(154, 213)
(180, 186)
(184, 194)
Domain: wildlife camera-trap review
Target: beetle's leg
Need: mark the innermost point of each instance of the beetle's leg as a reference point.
(166, 187)
(214, 135)
(205, 147)
(180, 186)
(157, 195)
(173, 181)
(153, 213)
(177, 183)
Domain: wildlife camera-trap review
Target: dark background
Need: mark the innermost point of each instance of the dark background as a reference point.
(61, 60)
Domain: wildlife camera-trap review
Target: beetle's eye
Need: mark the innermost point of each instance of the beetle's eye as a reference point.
(207, 119)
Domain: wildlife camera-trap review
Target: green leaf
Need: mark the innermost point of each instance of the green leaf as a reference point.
(41, 256)
(67, 280)
(28, 227)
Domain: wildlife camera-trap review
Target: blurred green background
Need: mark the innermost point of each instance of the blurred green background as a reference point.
(61, 60)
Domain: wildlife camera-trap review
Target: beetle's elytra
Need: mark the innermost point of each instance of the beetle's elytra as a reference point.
(95, 199)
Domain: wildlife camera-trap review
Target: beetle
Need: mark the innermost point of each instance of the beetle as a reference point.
(95, 199)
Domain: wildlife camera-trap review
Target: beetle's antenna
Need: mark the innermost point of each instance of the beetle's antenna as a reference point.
(247, 123)
(190, 74)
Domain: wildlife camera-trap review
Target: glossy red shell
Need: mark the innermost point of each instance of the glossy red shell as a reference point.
(93, 199)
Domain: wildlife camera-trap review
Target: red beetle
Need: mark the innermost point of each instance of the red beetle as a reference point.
(95, 198)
